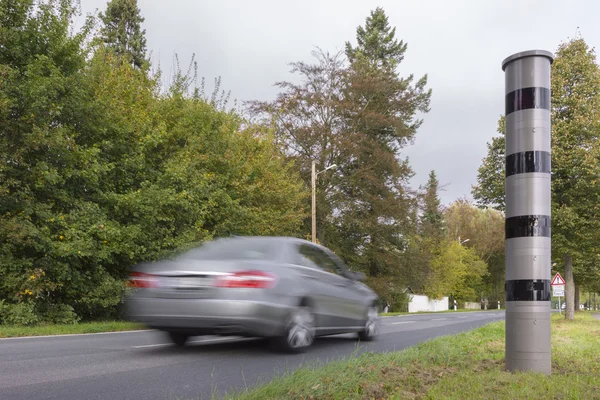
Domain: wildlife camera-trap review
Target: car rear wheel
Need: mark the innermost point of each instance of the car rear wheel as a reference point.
(371, 329)
(178, 338)
(300, 331)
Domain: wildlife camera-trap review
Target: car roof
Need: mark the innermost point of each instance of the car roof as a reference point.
(288, 240)
(285, 239)
(268, 238)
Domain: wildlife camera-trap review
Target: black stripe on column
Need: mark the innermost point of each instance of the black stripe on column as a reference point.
(527, 226)
(528, 161)
(528, 290)
(523, 99)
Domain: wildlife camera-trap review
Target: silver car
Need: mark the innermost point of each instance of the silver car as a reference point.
(286, 289)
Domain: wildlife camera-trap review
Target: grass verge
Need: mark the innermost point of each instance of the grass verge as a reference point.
(392, 314)
(464, 366)
(51, 329)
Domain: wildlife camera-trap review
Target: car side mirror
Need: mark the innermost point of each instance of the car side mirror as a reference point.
(356, 276)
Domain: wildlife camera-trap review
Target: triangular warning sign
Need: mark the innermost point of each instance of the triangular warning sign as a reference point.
(558, 280)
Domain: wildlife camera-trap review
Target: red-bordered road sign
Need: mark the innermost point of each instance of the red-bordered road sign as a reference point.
(558, 280)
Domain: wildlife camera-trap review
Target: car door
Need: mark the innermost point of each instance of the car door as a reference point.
(356, 295)
(338, 303)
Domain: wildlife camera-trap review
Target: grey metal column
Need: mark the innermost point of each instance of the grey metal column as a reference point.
(528, 257)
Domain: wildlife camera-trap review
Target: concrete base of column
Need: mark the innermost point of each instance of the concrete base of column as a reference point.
(528, 333)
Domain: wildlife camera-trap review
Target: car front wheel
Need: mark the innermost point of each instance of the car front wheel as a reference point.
(371, 328)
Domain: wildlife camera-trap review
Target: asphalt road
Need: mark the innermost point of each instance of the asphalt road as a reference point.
(143, 365)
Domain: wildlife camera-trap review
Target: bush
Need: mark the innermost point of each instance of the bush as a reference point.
(18, 314)
(390, 292)
(59, 314)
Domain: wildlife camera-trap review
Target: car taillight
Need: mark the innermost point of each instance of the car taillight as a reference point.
(247, 279)
(142, 280)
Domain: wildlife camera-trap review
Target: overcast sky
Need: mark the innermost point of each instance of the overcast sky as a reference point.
(460, 44)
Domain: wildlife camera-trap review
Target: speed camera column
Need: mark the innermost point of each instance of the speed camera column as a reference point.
(527, 184)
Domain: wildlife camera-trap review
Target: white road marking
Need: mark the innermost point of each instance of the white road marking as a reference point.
(195, 341)
(439, 319)
(75, 334)
(402, 322)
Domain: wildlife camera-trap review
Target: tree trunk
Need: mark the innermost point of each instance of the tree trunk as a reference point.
(577, 299)
(569, 289)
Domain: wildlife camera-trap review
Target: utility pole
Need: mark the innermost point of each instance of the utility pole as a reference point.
(527, 183)
(313, 179)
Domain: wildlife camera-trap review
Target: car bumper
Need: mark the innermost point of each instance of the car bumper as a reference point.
(210, 316)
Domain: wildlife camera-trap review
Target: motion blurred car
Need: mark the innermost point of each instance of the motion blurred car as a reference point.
(286, 289)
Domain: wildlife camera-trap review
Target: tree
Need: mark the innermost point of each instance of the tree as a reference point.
(457, 271)
(575, 160)
(376, 43)
(489, 191)
(308, 126)
(358, 116)
(100, 170)
(47, 173)
(379, 110)
(122, 31)
(426, 240)
(432, 218)
(485, 230)
(575, 163)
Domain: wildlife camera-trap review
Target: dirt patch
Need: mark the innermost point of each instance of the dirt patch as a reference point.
(495, 346)
(488, 365)
(408, 383)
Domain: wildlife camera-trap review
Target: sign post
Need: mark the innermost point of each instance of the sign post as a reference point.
(558, 288)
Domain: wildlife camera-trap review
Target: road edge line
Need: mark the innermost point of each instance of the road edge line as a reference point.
(75, 334)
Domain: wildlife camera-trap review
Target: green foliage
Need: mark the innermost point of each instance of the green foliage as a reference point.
(576, 158)
(57, 314)
(18, 314)
(456, 270)
(489, 191)
(484, 229)
(432, 218)
(358, 115)
(122, 32)
(377, 43)
(99, 170)
(379, 109)
(390, 291)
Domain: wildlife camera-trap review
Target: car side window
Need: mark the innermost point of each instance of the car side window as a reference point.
(305, 258)
(319, 258)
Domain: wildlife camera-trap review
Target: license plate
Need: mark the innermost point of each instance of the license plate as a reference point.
(184, 283)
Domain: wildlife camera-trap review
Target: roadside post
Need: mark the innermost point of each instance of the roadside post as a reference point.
(558, 288)
(527, 226)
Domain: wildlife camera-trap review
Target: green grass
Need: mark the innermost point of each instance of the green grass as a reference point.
(392, 314)
(50, 329)
(464, 366)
